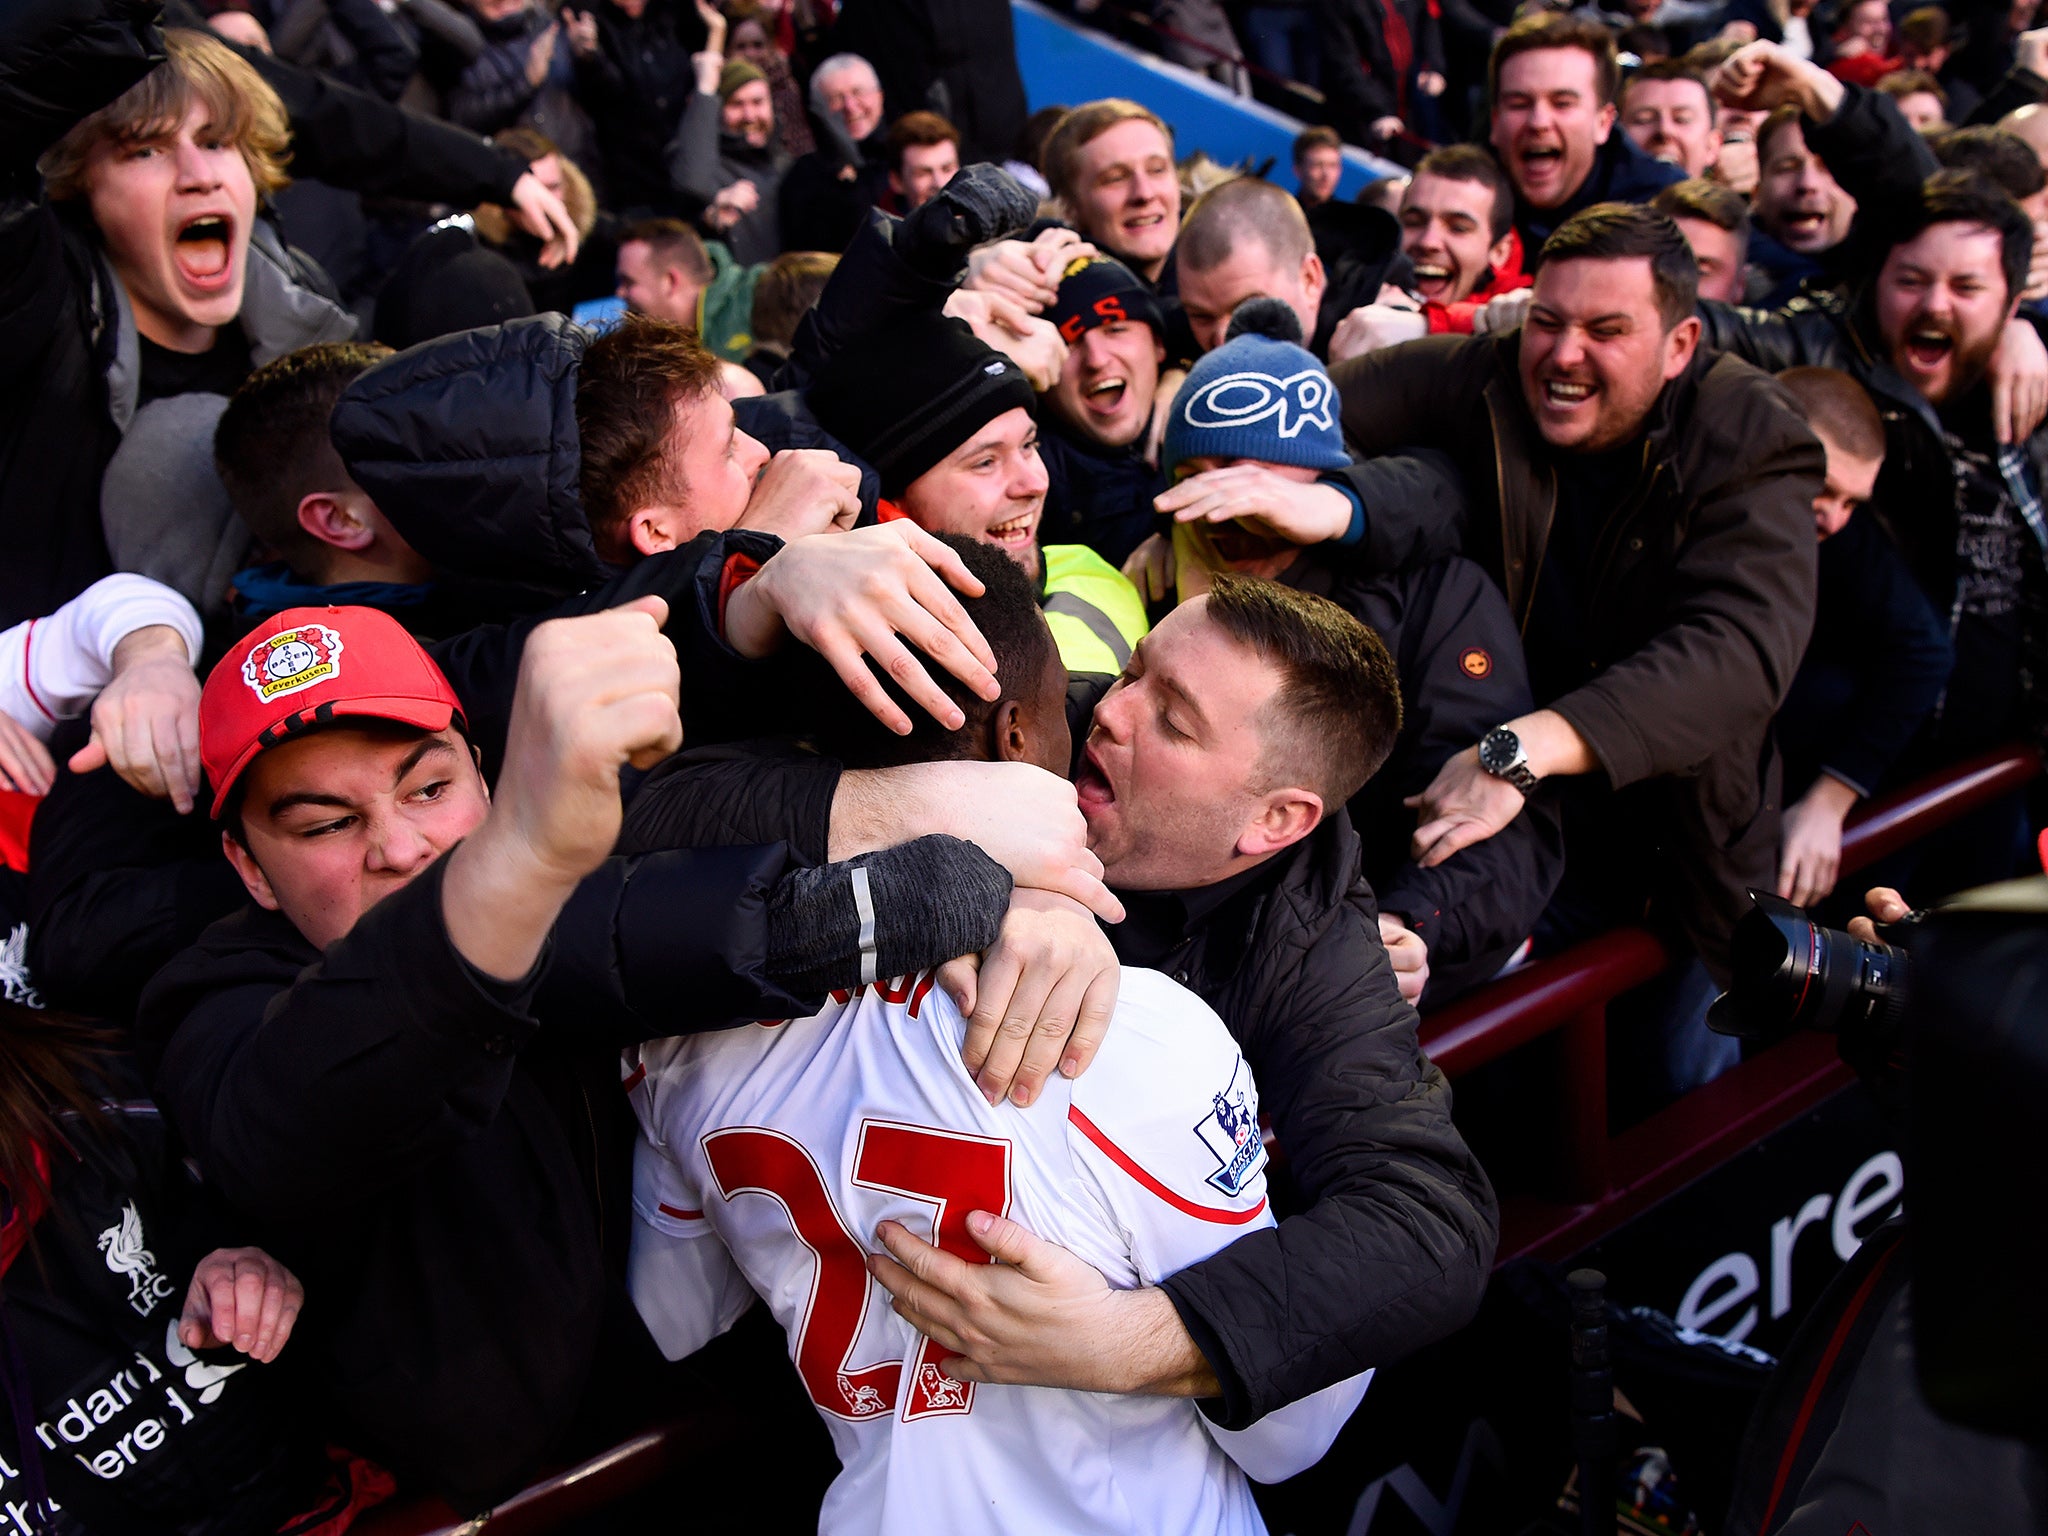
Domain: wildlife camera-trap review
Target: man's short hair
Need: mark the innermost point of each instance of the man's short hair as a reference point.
(1557, 29)
(272, 449)
(1966, 197)
(1225, 217)
(1468, 162)
(1911, 82)
(788, 289)
(1835, 404)
(197, 66)
(1782, 117)
(1321, 136)
(671, 243)
(838, 64)
(1926, 28)
(918, 130)
(631, 383)
(1618, 231)
(1337, 712)
(2002, 157)
(1008, 616)
(1081, 127)
(1675, 69)
(1711, 202)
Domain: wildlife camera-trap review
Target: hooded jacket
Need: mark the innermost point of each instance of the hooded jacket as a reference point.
(469, 445)
(1699, 597)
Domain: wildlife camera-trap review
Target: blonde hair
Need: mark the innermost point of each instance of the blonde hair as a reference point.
(494, 223)
(240, 108)
(1060, 157)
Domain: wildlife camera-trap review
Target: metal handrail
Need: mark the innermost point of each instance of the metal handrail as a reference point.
(1547, 995)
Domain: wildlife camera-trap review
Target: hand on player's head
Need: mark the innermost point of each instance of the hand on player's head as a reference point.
(851, 596)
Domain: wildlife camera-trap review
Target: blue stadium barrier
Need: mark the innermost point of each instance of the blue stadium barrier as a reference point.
(1064, 65)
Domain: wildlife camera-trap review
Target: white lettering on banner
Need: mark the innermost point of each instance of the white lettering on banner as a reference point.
(1870, 1195)
(116, 1425)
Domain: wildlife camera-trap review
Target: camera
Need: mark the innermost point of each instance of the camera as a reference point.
(1789, 973)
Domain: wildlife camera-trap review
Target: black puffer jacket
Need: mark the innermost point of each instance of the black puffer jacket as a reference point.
(469, 445)
(449, 1174)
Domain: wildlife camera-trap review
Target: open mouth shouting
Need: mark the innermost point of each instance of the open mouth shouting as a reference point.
(203, 251)
(1805, 229)
(1105, 397)
(1436, 281)
(1925, 350)
(1540, 168)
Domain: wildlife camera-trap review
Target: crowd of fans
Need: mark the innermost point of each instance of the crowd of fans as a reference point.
(960, 562)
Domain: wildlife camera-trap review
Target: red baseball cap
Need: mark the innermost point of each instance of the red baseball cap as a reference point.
(306, 667)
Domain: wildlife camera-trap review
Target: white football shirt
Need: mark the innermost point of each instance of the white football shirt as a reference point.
(770, 1154)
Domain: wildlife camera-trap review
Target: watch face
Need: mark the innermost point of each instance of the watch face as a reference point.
(1498, 750)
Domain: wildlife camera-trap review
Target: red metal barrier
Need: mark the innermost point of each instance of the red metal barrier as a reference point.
(1607, 1180)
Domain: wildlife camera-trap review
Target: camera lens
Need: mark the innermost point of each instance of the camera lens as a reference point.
(1789, 973)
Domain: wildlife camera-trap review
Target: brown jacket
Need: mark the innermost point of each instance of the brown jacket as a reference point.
(1699, 600)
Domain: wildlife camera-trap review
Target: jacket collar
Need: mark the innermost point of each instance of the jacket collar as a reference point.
(280, 313)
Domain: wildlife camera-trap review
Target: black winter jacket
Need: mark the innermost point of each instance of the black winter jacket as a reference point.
(469, 444)
(1098, 496)
(1462, 672)
(1358, 72)
(1397, 1238)
(445, 1158)
(1877, 665)
(635, 88)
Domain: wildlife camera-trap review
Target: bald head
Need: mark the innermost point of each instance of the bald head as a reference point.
(1243, 239)
(2029, 123)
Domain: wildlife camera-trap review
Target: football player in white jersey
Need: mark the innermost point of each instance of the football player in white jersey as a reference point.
(771, 1155)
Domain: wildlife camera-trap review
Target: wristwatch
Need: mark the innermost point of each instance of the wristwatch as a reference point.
(1501, 754)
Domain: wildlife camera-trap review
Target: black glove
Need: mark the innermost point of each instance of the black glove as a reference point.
(981, 203)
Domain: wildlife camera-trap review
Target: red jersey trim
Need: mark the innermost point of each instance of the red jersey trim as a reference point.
(678, 1212)
(28, 674)
(1125, 1161)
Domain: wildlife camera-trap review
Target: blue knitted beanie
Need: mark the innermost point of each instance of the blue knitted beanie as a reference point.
(1258, 396)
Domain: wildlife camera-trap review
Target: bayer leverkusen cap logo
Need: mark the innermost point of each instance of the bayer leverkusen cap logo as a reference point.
(297, 658)
(307, 667)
